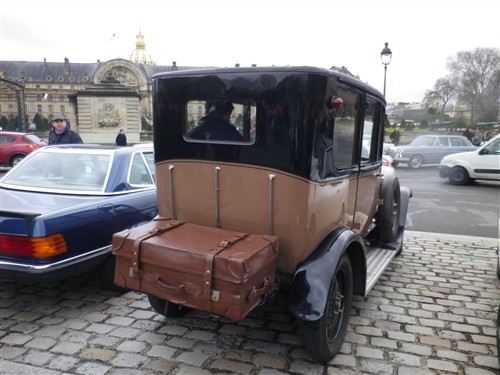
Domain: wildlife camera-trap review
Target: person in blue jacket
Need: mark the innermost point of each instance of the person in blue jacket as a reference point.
(61, 133)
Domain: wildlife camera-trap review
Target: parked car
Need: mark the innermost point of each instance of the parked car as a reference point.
(480, 164)
(60, 207)
(429, 149)
(14, 146)
(311, 178)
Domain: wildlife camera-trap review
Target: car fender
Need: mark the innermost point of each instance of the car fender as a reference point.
(309, 289)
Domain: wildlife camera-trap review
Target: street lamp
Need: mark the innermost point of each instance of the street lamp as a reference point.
(386, 56)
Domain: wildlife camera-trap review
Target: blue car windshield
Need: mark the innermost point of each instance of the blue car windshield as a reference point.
(61, 171)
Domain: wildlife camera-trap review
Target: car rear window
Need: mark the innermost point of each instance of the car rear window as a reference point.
(61, 172)
(31, 138)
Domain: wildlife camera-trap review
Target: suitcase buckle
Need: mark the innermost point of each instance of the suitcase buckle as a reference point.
(215, 296)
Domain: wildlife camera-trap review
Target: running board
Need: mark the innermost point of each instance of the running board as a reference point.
(377, 261)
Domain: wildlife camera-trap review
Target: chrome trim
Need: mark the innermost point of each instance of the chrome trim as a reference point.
(217, 190)
(57, 265)
(171, 176)
(271, 178)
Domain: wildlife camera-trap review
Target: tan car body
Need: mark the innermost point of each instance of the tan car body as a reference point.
(262, 201)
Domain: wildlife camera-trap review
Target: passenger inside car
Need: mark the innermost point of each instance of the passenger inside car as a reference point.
(216, 126)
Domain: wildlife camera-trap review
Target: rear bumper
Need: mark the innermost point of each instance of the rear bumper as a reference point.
(50, 272)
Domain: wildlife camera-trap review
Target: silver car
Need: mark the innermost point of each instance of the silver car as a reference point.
(429, 149)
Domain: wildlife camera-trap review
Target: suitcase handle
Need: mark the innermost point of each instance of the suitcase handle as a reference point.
(189, 289)
(259, 292)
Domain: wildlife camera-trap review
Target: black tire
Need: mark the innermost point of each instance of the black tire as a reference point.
(324, 337)
(415, 162)
(106, 274)
(458, 176)
(166, 308)
(16, 160)
(390, 211)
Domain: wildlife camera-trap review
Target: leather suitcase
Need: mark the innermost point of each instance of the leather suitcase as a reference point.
(220, 271)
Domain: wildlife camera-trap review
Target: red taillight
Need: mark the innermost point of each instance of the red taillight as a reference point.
(386, 162)
(32, 247)
(32, 145)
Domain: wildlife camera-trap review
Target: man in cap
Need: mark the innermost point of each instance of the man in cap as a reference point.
(61, 133)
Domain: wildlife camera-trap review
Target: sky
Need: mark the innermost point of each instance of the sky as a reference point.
(422, 34)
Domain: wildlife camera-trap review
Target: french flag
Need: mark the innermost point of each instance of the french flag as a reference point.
(47, 96)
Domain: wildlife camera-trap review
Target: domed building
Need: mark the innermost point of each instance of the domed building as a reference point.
(139, 55)
(98, 98)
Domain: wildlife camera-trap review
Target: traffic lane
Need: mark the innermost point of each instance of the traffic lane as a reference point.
(432, 311)
(439, 207)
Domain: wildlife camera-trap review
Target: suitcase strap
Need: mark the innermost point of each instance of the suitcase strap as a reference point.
(137, 243)
(207, 277)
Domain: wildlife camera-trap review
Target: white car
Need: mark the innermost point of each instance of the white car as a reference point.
(481, 164)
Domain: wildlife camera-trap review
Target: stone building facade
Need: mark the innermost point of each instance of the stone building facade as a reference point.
(98, 98)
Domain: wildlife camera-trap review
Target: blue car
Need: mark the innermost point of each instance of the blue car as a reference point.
(60, 207)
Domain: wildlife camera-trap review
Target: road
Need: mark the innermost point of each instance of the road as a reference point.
(438, 207)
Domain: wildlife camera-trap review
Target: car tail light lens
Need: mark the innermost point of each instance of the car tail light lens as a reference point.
(386, 162)
(42, 247)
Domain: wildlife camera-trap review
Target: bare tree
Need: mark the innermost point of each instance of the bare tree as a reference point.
(476, 79)
(442, 92)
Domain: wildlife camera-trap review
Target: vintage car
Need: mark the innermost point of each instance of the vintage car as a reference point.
(480, 164)
(61, 205)
(310, 177)
(429, 149)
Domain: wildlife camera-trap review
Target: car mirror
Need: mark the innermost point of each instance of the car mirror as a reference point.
(484, 151)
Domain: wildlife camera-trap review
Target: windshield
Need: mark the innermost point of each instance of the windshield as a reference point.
(61, 171)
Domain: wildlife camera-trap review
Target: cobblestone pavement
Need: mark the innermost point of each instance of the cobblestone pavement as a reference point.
(432, 312)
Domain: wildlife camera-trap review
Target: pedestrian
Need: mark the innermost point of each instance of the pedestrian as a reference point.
(395, 137)
(468, 134)
(121, 138)
(61, 133)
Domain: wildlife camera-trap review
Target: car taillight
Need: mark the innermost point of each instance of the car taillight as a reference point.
(42, 247)
(32, 145)
(385, 162)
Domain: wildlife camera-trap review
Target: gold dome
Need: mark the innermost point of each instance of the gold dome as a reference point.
(139, 54)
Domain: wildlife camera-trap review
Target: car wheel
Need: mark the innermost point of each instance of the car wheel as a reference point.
(166, 308)
(415, 162)
(16, 160)
(324, 337)
(389, 212)
(106, 274)
(458, 176)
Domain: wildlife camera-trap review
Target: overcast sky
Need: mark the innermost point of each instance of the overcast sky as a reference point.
(422, 34)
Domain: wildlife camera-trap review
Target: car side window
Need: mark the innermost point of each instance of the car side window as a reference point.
(456, 142)
(7, 139)
(443, 142)
(344, 129)
(139, 172)
(493, 148)
(370, 128)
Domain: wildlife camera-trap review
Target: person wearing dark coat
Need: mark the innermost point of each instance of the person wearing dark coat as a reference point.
(61, 133)
(216, 125)
(121, 138)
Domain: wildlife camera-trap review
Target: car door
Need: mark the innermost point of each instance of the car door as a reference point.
(486, 162)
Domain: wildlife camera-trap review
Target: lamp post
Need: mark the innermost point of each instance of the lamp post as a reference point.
(386, 56)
